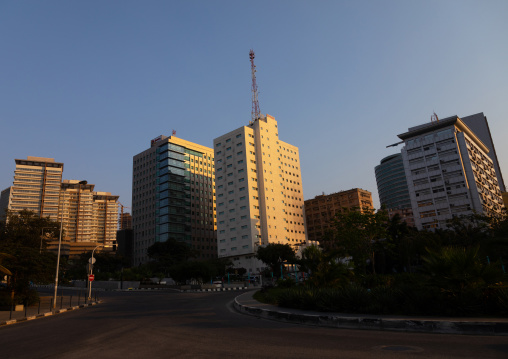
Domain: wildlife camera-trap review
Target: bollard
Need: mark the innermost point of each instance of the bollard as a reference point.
(79, 297)
(26, 306)
(61, 300)
(70, 302)
(10, 315)
(39, 307)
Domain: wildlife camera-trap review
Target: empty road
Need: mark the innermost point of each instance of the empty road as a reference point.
(204, 325)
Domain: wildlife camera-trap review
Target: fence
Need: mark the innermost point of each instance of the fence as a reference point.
(65, 300)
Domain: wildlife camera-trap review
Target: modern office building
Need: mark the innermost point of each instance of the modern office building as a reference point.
(391, 183)
(36, 187)
(449, 173)
(321, 210)
(480, 127)
(89, 218)
(173, 193)
(259, 192)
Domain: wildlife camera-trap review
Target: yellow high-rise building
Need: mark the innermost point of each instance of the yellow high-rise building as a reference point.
(259, 192)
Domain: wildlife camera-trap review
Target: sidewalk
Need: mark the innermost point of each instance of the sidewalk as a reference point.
(64, 304)
(245, 303)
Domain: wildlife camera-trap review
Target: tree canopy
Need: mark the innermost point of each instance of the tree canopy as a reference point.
(274, 254)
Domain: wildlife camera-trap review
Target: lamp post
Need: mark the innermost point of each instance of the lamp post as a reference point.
(58, 258)
(91, 272)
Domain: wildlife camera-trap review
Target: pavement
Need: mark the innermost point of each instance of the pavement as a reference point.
(43, 309)
(245, 303)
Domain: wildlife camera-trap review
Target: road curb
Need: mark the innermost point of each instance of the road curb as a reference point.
(376, 323)
(47, 314)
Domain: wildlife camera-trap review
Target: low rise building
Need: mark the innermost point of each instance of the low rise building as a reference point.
(321, 210)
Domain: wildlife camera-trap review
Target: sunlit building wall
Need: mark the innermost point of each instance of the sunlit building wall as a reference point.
(259, 192)
(321, 210)
(36, 186)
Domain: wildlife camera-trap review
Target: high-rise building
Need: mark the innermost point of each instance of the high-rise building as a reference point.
(321, 210)
(259, 192)
(391, 183)
(173, 192)
(480, 127)
(89, 218)
(449, 172)
(36, 187)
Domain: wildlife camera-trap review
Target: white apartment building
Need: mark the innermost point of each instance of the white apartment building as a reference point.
(449, 173)
(258, 192)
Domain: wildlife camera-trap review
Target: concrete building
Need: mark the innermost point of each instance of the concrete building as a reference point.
(173, 192)
(449, 173)
(36, 187)
(480, 127)
(259, 192)
(125, 221)
(405, 215)
(321, 210)
(89, 218)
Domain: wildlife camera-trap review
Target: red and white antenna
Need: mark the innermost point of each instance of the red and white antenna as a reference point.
(434, 118)
(173, 133)
(256, 112)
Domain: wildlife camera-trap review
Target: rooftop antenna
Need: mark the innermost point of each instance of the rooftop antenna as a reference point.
(173, 133)
(256, 112)
(434, 117)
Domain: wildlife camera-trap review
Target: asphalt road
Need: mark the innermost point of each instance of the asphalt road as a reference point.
(204, 325)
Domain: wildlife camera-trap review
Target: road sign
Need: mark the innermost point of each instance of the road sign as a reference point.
(91, 278)
(91, 260)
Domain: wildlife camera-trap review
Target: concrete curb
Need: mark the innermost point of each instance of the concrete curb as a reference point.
(47, 314)
(376, 323)
(183, 290)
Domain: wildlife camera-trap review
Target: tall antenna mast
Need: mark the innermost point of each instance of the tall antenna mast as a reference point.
(256, 112)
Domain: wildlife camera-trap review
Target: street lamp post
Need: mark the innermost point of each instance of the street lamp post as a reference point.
(58, 259)
(91, 272)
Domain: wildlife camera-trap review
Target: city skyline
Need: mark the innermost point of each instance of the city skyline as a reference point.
(87, 84)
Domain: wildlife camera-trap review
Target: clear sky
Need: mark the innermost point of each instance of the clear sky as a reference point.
(90, 83)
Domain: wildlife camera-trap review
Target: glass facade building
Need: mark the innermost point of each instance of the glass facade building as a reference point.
(392, 184)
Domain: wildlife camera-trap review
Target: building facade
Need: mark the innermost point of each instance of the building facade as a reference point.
(480, 127)
(125, 221)
(391, 183)
(173, 193)
(449, 173)
(36, 187)
(320, 211)
(89, 218)
(259, 192)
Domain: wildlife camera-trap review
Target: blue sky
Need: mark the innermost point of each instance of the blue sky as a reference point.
(89, 83)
